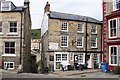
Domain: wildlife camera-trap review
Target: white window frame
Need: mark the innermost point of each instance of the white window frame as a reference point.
(82, 61)
(114, 5)
(61, 59)
(110, 55)
(96, 44)
(61, 40)
(119, 27)
(95, 29)
(63, 27)
(8, 67)
(80, 25)
(96, 57)
(13, 27)
(9, 54)
(1, 33)
(2, 9)
(81, 42)
(109, 27)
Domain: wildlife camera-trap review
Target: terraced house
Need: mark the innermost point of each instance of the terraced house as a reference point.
(15, 27)
(70, 39)
(111, 33)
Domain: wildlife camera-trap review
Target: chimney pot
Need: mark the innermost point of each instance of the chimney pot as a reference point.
(47, 7)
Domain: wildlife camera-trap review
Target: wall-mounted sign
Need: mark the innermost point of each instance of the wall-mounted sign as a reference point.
(53, 45)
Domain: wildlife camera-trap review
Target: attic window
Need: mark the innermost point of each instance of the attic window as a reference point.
(5, 6)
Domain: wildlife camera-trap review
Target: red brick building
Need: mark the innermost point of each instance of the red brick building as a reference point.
(111, 33)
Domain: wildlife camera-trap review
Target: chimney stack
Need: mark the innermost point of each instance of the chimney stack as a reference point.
(26, 3)
(47, 7)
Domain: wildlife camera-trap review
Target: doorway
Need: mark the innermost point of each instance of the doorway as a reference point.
(89, 60)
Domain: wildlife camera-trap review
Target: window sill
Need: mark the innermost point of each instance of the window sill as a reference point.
(112, 37)
(113, 64)
(79, 46)
(80, 32)
(1, 33)
(93, 33)
(64, 46)
(93, 47)
(9, 55)
(64, 30)
(15, 34)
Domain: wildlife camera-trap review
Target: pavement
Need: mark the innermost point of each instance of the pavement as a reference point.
(89, 73)
(75, 72)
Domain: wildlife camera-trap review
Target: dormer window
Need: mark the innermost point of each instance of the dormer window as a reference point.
(5, 6)
(116, 4)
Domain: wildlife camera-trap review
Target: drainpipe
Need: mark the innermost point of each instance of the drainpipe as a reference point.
(101, 46)
(21, 39)
(86, 43)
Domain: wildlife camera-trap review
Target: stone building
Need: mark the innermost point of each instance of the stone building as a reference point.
(15, 38)
(111, 33)
(70, 39)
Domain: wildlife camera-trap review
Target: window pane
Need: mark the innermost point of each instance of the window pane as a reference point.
(6, 44)
(64, 26)
(64, 57)
(113, 55)
(12, 51)
(80, 58)
(13, 26)
(9, 47)
(80, 27)
(6, 50)
(12, 44)
(11, 65)
(64, 40)
(112, 28)
(79, 40)
(94, 29)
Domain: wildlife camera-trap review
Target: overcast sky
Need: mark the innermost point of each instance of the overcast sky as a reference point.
(92, 8)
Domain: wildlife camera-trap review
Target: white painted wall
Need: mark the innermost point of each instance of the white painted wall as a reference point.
(44, 26)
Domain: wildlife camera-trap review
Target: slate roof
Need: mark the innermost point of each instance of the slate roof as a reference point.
(65, 16)
(18, 9)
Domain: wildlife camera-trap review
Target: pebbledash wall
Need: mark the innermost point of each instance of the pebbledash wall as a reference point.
(15, 26)
(64, 42)
(111, 33)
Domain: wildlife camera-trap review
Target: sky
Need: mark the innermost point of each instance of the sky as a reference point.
(92, 8)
